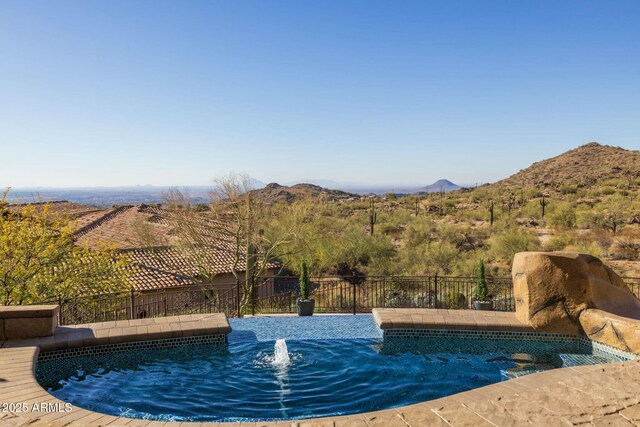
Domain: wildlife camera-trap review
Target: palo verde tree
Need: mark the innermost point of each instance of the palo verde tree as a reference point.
(39, 260)
(231, 225)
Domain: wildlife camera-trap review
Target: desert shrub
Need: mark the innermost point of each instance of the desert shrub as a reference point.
(615, 182)
(418, 232)
(610, 215)
(626, 248)
(390, 228)
(607, 191)
(531, 209)
(532, 193)
(568, 189)
(563, 216)
(443, 255)
(509, 242)
(586, 247)
(558, 242)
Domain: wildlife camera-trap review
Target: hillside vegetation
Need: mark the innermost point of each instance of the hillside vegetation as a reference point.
(584, 200)
(583, 167)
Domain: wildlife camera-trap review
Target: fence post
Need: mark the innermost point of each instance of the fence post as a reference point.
(435, 297)
(254, 292)
(238, 298)
(132, 303)
(290, 302)
(60, 318)
(354, 297)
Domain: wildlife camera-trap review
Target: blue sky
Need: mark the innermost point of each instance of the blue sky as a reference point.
(401, 92)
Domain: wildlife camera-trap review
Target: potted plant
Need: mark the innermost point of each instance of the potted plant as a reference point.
(482, 301)
(305, 304)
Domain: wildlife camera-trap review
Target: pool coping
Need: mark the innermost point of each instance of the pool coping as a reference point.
(585, 394)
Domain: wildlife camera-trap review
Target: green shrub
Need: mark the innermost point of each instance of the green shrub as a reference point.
(607, 191)
(511, 241)
(563, 216)
(558, 242)
(455, 300)
(568, 189)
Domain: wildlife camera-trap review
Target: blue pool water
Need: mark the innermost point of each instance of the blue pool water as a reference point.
(332, 365)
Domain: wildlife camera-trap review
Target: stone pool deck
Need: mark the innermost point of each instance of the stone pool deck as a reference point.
(123, 331)
(585, 395)
(424, 318)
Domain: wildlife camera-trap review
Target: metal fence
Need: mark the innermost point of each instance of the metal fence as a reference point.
(360, 295)
(279, 294)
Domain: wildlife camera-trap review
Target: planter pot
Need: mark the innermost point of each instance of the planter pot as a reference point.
(305, 307)
(483, 305)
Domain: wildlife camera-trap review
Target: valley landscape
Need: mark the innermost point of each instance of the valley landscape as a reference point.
(585, 200)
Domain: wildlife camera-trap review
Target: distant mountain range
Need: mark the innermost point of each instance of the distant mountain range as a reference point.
(149, 194)
(584, 166)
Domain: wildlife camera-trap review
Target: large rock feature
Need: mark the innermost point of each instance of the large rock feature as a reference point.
(617, 331)
(571, 293)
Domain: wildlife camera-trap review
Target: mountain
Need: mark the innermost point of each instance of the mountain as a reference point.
(583, 166)
(442, 184)
(274, 192)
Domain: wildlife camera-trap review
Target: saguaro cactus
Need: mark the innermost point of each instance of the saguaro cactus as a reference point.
(543, 205)
(373, 216)
(491, 212)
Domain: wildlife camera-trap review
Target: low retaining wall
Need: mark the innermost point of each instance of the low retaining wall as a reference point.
(31, 321)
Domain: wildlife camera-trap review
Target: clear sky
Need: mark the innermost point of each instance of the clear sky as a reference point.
(178, 92)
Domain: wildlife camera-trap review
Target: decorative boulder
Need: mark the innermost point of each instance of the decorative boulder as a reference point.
(571, 293)
(617, 331)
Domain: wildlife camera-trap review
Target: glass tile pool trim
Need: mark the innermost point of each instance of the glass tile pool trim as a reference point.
(137, 345)
(585, 342)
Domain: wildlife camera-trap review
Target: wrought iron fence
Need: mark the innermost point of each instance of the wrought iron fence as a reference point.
(155, 303)
(279, 294)
(360, 295)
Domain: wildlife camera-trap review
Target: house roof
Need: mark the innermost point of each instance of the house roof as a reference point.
(147, 234)
(122, 227)
(143, 277)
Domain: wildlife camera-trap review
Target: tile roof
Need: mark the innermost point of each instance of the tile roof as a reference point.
(147, 234)
(144, 278)
(124, 227)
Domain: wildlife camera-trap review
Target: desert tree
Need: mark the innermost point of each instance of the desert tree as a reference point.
(232, 225)
(39, 260)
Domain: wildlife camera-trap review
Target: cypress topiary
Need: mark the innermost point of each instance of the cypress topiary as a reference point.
(304, 281)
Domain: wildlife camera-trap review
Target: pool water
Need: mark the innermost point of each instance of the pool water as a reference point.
(288, 368)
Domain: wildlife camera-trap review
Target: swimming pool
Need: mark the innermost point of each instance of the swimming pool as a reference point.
(293, 367)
